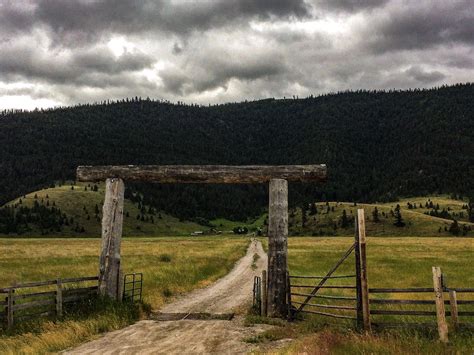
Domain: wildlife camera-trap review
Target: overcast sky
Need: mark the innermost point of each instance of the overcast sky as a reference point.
(62, 52)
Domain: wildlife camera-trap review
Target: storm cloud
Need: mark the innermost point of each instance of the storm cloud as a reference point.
(56, 52)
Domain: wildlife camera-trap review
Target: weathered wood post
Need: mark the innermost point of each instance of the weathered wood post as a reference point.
(112, 219)
(59, 298)
(277, 248)
(453, 301)
(10, 303)
(440, 310)
(364, 285)
(359, 312)
(264, 293)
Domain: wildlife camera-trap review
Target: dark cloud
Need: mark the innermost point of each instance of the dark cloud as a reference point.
(28, 63)
(210, 73)
(422, 25)
(348, 5)
(82, 21)
(424, 76)
(177, 48)
(71, 51)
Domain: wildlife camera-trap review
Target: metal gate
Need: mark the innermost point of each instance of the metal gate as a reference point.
(257, 294)
(133, 287)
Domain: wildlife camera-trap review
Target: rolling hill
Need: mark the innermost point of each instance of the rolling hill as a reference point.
(378, 146)
(420, 221)
(75, 210)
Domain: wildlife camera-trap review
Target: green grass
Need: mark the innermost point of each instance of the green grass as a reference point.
(417, 223)
(392, 262)
(228, 226)
(81, 204)
(170, 266)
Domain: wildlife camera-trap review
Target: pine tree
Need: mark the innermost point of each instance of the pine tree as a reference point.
(454, 228)
(398, 217)
(304, 217)
(470, 209)
(344, 219)
(375, 215)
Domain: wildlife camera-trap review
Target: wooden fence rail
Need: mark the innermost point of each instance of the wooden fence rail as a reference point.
(19, 305)
(383, 303)
(438, 312)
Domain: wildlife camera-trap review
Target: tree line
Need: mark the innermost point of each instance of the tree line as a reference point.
(377, 145)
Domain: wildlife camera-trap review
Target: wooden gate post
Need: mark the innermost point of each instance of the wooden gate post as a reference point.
(359, 314)
(277, 248)
(364, 285)
(264, 294)
(112, 219)
(440, 310)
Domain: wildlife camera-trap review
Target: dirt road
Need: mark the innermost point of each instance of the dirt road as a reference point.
(228, 294)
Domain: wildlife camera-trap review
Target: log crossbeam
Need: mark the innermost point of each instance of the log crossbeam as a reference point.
(203, 174)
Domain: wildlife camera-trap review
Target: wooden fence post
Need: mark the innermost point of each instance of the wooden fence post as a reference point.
(359, 313)
(264, 293)
(440, 310)
(59, 298)
(277, 247)
(288, 293)
(454, 308)
(10, 303)
(364, 285)
(112, 219)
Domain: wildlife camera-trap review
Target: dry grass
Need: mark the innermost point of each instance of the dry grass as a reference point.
(190, 262)
(392, 262)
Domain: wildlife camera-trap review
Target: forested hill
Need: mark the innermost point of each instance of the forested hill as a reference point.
(377, 145)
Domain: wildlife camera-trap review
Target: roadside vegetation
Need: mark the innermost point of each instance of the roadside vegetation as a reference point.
(392, 263)
(170, 266)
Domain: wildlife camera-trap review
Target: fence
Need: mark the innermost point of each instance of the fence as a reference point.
(31, 300)
(423, 308)
(133, 287)
(354, 301)
(257, 294)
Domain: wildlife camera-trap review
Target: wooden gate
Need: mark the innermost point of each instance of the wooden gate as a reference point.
(382, 304)
(352, 303)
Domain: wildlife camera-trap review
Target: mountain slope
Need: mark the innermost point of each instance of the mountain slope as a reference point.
(377, 145)
(79, 212)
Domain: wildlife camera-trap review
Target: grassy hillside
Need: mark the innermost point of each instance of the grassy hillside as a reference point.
(81, 204)
(329, 218)
(81, 209)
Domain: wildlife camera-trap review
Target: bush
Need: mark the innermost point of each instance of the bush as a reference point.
(166, 258)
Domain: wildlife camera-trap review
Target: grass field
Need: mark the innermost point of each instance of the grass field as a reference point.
(392, 262)
(170, 266)
(178, 264)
